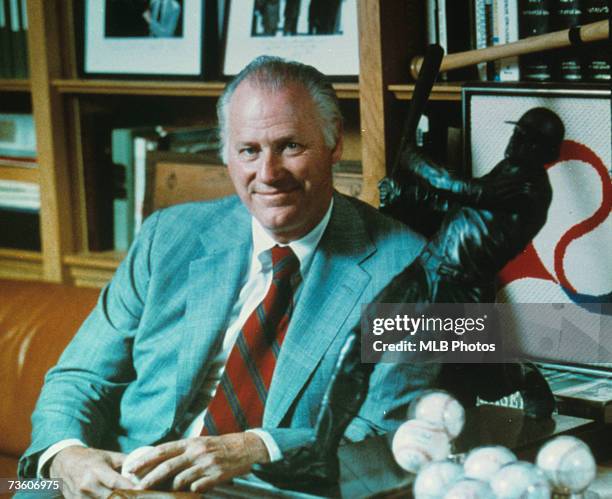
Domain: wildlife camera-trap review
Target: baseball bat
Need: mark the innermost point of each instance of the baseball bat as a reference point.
(428, 72)
(581, 34)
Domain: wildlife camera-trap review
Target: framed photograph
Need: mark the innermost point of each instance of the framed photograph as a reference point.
(145, 37)
(322, 33)
(568, 261)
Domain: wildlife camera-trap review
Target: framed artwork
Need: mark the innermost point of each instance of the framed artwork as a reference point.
(166, 38)
(322, 33)
(568, 262)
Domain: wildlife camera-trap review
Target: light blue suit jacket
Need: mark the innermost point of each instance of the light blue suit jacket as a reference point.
(129, 376)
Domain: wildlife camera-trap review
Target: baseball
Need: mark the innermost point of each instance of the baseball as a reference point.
(568, 464)
(434, 479)
(441, 408)
(482, 462)
(416, 443)
(133, 456)
(520, 480)
(468, 488)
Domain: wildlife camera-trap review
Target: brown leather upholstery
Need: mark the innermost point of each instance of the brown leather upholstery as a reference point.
(37, 320)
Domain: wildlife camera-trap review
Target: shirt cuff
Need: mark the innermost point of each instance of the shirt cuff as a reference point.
(273, 449)
(45, 459)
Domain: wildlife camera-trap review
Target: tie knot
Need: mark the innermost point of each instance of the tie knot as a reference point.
(284, 262)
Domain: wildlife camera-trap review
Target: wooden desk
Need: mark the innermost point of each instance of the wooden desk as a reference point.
(369, 470)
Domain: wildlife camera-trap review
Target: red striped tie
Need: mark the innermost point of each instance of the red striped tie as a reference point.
(238, 403)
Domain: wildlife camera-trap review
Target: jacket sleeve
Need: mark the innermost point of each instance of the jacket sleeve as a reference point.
(80, 396)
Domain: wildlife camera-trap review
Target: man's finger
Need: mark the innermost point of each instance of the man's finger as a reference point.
(155, 456)
(116, 459)
(165, 471)
(188, 476)
(204, 484)
(113, 480)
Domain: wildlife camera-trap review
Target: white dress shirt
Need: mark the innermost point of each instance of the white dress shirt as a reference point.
(254, 288)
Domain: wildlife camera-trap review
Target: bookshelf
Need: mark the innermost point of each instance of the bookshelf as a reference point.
(60, 101)
(390, 32)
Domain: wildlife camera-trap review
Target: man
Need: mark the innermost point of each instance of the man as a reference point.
(144, 368)
(269, 12)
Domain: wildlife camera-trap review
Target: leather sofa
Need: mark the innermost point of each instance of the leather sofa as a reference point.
(37, 320)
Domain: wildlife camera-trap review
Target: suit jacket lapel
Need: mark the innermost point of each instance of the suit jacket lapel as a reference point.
(213, 286)
(331, 290)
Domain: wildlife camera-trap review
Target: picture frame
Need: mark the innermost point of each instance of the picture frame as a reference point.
(321, 33)
(567, 262)
(175, 39)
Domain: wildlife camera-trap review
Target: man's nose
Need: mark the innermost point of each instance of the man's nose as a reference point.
(271, 168)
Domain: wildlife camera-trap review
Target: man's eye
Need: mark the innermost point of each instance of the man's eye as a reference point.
(248, 151)
(293, 147)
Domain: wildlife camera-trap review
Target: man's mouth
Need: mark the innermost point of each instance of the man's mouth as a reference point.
(276, 192)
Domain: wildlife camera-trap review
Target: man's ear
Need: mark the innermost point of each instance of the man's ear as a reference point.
(337, 150)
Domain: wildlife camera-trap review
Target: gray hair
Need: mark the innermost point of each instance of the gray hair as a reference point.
(274, 73)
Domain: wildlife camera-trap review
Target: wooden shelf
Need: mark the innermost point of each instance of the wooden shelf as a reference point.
(20, 264)
(168, 88)
(19, 173)
(92, 270)
(105, 260)
(14, 85)
(441, 91)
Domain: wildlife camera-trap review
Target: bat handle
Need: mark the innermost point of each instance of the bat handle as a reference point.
(427, 77)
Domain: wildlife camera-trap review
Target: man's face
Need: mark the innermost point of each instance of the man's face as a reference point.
(278, 160)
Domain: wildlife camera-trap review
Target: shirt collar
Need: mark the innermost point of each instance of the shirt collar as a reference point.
(303, 248)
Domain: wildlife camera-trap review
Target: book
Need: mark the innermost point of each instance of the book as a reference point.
(19, 161)
(18, 194)
(506, 25)
(143, 144)
(431, 17)
(6, 57)
(592, 400)
(123, 158)
(568, 63)
(581, 394)
(20, 63)
(596, 57)
(22, 70)
(480, 33)
(17, 135)
(490, 27)
(535, 19)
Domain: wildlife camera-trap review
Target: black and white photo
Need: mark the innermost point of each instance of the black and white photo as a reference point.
(322, 33)
(144, 37)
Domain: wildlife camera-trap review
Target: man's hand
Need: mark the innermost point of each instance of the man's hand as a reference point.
(199, 463)
(89, 472)
(389, 190)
